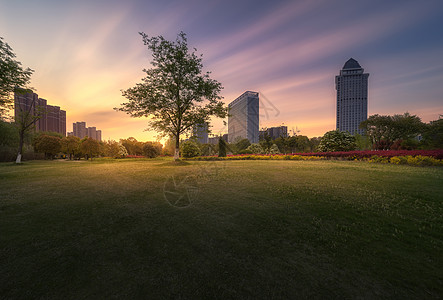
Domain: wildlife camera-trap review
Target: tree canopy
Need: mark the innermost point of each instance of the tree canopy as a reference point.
(175, 93)
(385, 130)
(337, 140)
(89, 147)
(12, 76)
(48, 144)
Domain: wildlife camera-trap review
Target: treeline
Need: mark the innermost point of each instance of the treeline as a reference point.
(50, 145)
(397, 132)
(291, 144)
(403, 132)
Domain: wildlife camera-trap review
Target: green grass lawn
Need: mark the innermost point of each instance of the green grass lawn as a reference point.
(220, 230)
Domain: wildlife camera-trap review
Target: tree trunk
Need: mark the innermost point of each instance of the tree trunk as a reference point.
(177, 148)
(20, 148)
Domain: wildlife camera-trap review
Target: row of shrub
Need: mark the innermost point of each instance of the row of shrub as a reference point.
(351, 155)
(438, 154)
(258, 157)
(418, 160)
(402, 157)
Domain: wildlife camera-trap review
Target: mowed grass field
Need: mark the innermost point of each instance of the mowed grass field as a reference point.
(220, 230)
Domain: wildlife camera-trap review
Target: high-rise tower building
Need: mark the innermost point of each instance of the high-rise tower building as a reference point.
(352, 97)
(243, 120)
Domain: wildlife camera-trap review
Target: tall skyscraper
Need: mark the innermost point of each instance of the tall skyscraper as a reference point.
(243, 120)
(352, 97)
(52, 117)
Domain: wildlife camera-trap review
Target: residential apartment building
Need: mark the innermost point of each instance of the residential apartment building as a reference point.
(52, 118)
(80, 130)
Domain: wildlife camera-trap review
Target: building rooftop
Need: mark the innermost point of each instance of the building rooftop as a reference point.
(351, 64)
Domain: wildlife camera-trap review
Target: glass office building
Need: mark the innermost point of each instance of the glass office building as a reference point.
(243, 120)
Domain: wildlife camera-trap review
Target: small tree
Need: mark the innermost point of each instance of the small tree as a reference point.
(221, 147)
(274, 149)
(266, 142)
(49, 145)
(70, 145)
(89, 147)
(175, 93)
(337, 140)
(190, 149)
(122, 152)
(152, 150)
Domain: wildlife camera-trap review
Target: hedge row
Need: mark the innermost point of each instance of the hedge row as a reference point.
(419, 157)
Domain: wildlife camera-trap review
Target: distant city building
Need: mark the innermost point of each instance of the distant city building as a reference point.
(52, 117)
(352, 97)
(92, 132)
(243, 120)
(80, 130)
(274, 132)
(200, 131)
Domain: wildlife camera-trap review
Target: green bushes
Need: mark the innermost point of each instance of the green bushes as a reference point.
(418, 160)
(336, 140)
(47, 144)
(255, 148)
(152, 149)
(190, 149)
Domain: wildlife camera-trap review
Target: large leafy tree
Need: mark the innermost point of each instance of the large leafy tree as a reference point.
(89, 147)
(175, 93)
(133, 146)
(433, 134)
(12, 75)
(385, 130)
(47, 144)
(70, 145)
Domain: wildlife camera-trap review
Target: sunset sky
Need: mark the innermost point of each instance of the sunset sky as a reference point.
(85, 52)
